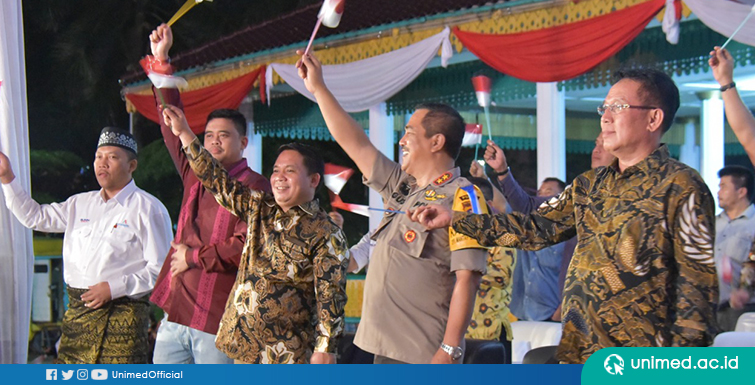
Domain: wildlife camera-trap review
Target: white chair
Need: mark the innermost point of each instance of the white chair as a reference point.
(532, 334)
(734, 339)
(746, 323)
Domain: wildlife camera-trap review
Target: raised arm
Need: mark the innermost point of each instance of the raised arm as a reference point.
(233, 195)
(737, 114)
(51, 218)
(160, 41)
(345, 130)
(519, 200)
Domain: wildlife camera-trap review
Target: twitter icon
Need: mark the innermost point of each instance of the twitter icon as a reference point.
(67, 374)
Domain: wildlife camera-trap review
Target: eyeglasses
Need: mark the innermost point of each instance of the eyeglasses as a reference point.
(616, 108)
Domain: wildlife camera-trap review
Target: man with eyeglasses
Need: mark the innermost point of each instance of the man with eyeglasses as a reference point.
(643, 272)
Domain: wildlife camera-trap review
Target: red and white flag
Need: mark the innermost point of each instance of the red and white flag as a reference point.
(336, 177)
(337, 203)
(161, 74)
(331, 12)
(472, 135)
(482, 85)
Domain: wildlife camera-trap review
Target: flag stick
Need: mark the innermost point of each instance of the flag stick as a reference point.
(314, 33)
(386, 210)
(749, 15)
(189, 4)
(160, 96)
(487, 120)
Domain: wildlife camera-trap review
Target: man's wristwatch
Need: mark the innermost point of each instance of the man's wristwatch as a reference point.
(502, 173)
(454, 351)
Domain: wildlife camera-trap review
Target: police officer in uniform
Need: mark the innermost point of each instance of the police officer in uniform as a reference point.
(419, 294)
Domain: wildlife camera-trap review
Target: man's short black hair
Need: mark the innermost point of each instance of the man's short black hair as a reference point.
(484, 186)
(657, 89)
(238, 119)
(312, 160)
(445, 120)
(559, 182)
(740, 177)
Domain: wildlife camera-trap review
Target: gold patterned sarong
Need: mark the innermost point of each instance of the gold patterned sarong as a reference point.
(116, 333)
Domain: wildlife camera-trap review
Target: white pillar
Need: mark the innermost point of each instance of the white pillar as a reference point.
(690, 151)
(16, 248)
(711, 139)
(253, 150)
(551, 132)
(381, 135)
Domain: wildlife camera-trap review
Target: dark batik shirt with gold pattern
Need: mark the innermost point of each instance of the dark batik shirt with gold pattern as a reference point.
(290, 291)
(491, 307)
(642, 273)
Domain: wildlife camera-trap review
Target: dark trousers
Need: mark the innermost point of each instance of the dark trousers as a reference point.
(383, 360)
(727, 317)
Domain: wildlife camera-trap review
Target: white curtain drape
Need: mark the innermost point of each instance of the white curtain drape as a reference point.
(16, 252)
(724, 16)
(365, 83)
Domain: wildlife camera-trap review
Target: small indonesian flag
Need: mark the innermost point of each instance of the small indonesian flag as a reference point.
(481, 85)
(726, 269)
(161, 74)
(331, 12)
(337, 203)
(336, 177)
(472, 135)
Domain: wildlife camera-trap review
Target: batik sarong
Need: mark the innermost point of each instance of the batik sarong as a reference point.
(116, 333)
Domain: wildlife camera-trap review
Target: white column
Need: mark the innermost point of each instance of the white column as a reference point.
(253, 150)
(711, 139)
(381, 135)
(16, 248)
(690, 151)
(551, 132)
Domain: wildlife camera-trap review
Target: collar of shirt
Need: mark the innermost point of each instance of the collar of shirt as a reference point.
(748, 213)
(652, 162)
(446, 177)
(237, 167)
(311, 207)
(123, 194)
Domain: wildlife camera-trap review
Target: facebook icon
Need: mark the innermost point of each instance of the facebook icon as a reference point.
(52, 374)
